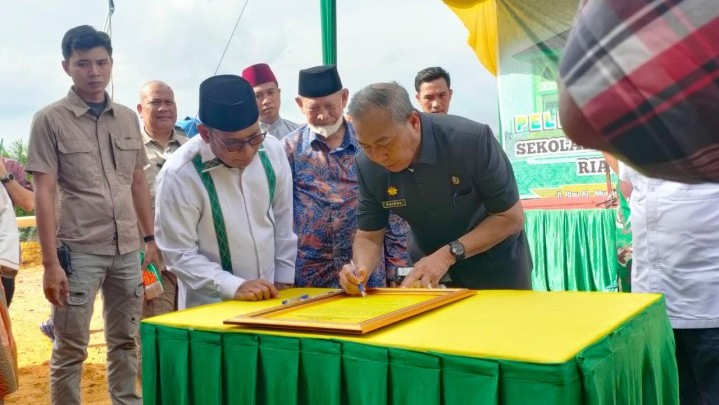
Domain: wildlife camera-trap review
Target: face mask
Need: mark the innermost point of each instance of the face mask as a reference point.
(326, 130)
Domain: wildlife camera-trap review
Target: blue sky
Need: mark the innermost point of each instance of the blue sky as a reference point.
(181, 41)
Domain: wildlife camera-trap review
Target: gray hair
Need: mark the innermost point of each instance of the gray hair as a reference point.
(390, 97)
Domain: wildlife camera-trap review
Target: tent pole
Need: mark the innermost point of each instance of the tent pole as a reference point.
(329, 31)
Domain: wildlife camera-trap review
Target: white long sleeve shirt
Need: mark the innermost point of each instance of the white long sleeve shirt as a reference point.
(9, 237)
(675, 236)
(260, 237)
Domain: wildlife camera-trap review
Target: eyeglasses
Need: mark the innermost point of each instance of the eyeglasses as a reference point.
(236, 145)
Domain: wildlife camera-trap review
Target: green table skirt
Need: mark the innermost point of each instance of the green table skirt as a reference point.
(632, 365)
(573, 250)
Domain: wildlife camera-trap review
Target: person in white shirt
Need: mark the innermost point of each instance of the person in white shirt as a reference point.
(675, 230)
(9, 257)
(224, 204)
(267, 95)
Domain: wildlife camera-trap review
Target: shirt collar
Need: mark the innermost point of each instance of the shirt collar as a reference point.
(349, 137)
(75, 104)
(427, 147)
(212, 164)
(147, 139)
(266, 127)
(209, 160)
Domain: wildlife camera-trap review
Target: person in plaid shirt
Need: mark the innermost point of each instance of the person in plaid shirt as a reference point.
(640, 80)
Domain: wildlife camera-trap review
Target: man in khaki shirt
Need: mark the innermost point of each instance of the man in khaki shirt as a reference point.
(158, 112)
(89, 149)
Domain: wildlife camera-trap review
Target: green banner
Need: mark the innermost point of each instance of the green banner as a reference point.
(547, 164)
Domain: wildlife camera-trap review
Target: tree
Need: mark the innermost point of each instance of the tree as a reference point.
(16, 151)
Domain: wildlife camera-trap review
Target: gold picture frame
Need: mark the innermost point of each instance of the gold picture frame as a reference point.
(337, 311)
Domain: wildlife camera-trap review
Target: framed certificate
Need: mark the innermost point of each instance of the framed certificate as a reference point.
(337, 311)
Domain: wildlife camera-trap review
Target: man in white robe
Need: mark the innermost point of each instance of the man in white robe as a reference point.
(224, 204)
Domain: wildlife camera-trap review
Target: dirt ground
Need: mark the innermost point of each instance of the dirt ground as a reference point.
(29, 308)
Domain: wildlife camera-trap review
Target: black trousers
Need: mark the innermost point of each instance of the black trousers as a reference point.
(698, 362)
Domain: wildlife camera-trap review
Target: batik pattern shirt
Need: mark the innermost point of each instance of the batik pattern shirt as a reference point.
(646, 77)
(325, 211)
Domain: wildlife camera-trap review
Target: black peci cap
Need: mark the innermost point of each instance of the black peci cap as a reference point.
(227, 103)
(319, 81)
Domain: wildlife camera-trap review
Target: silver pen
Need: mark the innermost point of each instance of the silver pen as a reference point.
(355, 270)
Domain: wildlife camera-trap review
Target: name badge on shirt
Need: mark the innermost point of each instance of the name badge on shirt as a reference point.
(392, 192)
(394, 203)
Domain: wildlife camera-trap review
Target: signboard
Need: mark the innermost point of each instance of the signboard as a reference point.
(546, 163)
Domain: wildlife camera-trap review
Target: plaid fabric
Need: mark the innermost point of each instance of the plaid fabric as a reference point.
(646, 76)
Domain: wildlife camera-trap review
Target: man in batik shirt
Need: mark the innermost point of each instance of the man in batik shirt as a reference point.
(322, 158)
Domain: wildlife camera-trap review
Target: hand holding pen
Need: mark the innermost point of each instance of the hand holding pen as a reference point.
(352, 279)
(355, 271)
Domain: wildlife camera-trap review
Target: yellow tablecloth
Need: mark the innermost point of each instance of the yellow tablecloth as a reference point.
(510, 347)
(537, 327)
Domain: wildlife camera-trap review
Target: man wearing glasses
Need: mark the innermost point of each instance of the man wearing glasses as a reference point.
(224, 204)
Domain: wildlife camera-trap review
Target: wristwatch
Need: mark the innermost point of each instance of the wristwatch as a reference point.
(457, 249)
(7, 178)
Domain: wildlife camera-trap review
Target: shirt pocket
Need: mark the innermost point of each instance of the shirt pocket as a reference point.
(71, 319)
(125, 151)
(78, 162)
(465, 201)
(694, 192)
(467, 210)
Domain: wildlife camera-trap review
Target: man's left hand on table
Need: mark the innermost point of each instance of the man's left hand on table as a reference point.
(430, 269)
